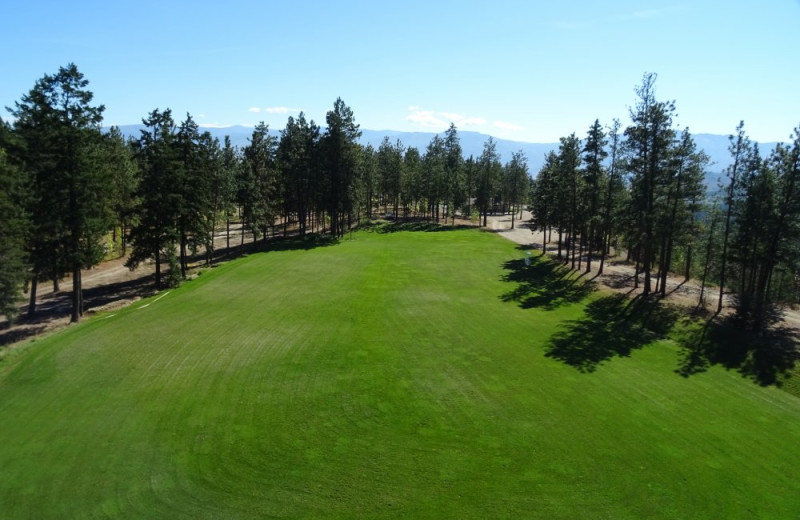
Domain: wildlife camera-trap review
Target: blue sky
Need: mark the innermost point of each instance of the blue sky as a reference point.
(521, 70)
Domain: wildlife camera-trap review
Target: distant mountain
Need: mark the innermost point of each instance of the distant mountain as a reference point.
(715, 146)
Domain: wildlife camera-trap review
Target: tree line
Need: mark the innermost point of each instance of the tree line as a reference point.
(70, 192)
(642, 191)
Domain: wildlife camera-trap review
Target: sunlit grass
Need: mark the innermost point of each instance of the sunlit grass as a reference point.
(408, 374)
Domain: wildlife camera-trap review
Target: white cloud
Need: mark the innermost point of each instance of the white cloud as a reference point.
(508, 126)
(213, 125)
(201, 116)
(281, 110)
(426, 118)
(433, 119)
(254, 109)
(462, 120)
(451, 116)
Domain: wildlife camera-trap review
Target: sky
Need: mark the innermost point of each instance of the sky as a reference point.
(529, 71)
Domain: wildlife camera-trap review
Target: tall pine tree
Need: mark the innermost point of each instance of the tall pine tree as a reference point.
(60, 129)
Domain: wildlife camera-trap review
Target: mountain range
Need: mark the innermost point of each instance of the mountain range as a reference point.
(715, 146)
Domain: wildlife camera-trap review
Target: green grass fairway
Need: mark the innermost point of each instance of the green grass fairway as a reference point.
(395, 375)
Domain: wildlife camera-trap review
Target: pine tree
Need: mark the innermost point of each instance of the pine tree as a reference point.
(411, 188)
(226, 185)
(489, 172)
(614, 186)
(453, 181)
(155, 234)
(390, 172)
(516, 182)
(14, 227)
(260, 201)
(683, 189)
(739, 148)
(771, 200)
(569, 161)
(648, 142)
(433, 165)
(118, 158)
(210, 192)
(593, 181)
(296, 155)
(544, 200)
(339, 153)
(60, 129)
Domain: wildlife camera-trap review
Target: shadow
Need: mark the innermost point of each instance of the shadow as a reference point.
(58, 306)
(676, 288)
(618, 281)
(275, 243)
(763, 357)
(16, 334)
(304, 243)
(411, 225)
(613, 326)
(100, 296)
(545, 284)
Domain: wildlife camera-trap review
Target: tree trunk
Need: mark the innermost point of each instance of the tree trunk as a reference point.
(558, 256)
(646, 266)
(77, 295)
(573, 243)
(665, 268)
(606, 240)
(687, 269)
(241, 241)
(32, 300)
(183, 252)
(544, 241)
(124, 238)
(158, 269)
(589, 248)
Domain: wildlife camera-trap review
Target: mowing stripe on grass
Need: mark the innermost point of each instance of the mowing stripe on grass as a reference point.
(383, 377)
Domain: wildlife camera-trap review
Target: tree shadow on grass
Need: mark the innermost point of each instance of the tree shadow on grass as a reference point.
(613, 326)
(58, 305)
(277, 243)
(545, 284)
(384, 227)
(765, 358)
(305, 243)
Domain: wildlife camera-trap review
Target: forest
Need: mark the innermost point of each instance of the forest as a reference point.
(73, 194)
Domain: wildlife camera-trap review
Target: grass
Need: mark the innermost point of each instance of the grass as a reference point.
(407, 374)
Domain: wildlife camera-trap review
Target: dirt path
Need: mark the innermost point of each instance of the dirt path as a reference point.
(618, 275)
(107, 286)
